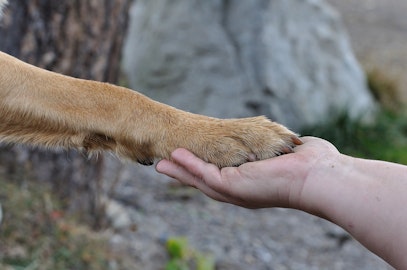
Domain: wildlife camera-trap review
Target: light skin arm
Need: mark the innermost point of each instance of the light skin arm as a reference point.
(365, 197)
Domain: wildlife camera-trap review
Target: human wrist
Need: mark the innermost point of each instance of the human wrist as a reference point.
(325, 185)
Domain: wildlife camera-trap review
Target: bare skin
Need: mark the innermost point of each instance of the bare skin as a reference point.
(365, 197)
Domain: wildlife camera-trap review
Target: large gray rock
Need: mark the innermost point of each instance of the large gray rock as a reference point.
(288, 59)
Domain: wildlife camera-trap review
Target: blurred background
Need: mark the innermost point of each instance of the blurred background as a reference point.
(333, 69)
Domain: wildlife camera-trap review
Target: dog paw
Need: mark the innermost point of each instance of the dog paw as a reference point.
(232, 142)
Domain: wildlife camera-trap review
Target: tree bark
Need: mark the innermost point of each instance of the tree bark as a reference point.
(77, 38)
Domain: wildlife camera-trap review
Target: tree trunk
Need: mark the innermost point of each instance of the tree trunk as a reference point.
(77, 38)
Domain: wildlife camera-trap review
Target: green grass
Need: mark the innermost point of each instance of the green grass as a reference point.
(183, 257)
(384, 139)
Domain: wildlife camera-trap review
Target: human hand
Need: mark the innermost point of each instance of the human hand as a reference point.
(275, 182)
(365, 197)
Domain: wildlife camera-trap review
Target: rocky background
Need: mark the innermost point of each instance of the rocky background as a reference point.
(290, 60)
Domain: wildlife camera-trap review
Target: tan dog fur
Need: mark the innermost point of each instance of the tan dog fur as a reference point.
(43, 108)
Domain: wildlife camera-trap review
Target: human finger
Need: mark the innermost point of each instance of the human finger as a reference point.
(190, 170)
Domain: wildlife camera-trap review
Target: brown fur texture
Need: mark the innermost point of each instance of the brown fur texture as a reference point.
(43, 108)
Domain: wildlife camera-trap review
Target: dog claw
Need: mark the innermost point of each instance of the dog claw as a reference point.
(287, 150)
(146, 162)
(252, 157)
(296, 140)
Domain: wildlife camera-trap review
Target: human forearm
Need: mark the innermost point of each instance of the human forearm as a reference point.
(366, 198)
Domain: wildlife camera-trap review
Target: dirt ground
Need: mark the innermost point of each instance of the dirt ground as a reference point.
(156, 208)
(378, 33)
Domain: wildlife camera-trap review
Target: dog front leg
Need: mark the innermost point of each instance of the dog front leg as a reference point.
(43, 108)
